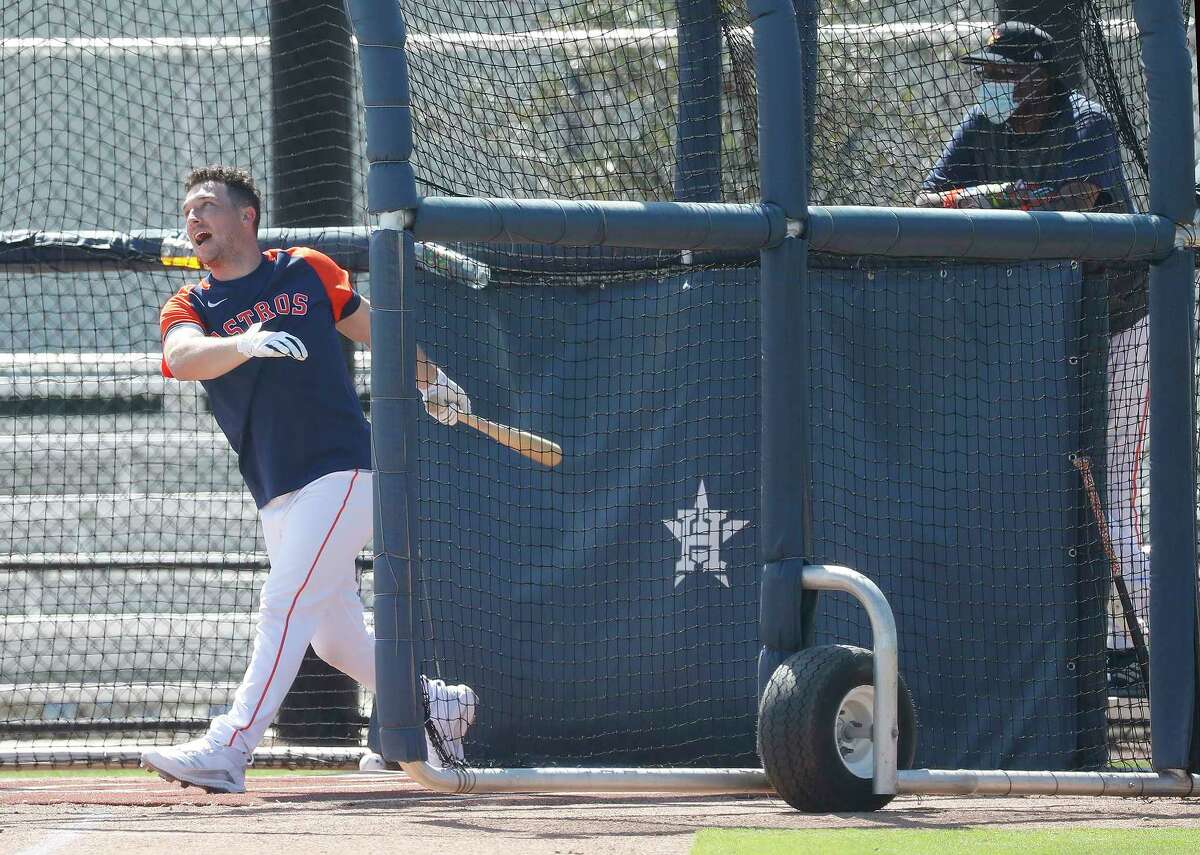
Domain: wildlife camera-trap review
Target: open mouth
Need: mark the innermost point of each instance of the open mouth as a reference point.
(200, 238)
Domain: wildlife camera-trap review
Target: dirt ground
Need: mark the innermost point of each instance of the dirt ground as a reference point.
(307, 814)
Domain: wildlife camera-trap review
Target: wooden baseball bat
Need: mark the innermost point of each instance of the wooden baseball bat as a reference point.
(534, 447)
(1131, 619)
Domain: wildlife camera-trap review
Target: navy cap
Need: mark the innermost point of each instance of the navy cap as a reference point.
(1014, 43)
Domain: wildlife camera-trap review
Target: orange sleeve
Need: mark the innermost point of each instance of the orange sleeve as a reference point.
(335, 279)
(177, 311)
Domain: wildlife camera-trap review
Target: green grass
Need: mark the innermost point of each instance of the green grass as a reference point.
(975, 841)
(1130, 765)
(92, 772)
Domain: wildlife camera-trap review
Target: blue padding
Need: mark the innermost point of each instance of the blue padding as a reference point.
(786, 447)
(654, 225)
(391, 187)
(698, 127)
(389, 133)
(384, 75)
(779, 624)
(970, 234)
(394, 414)
(1162, 31)
(782, 124)
(943, 436)
(941, 448)
(377, 22)
(1173, 510)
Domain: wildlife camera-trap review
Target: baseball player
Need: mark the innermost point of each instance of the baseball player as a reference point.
(261, 334)
(1029, 142)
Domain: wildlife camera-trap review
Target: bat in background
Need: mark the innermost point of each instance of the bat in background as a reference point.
(1131, 619)
(534, 447)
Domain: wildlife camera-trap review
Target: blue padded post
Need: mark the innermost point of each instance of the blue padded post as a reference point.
(783, 147)
(393, 445)
(1172, 511)
(390, 188)
(785, 524)
(998, 235)
(1173, 608)
(698, 126)
(379, 28)
(661, 225)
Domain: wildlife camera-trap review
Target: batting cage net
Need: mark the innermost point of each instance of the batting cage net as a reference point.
(976, 427)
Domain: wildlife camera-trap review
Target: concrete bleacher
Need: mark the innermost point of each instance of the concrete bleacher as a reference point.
(130, 553)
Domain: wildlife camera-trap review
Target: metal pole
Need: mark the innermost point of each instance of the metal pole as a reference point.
(974, 782)
(885, 646)
(558, 780)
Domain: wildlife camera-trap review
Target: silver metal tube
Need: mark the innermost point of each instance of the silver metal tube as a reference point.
(72, 755)
(397, 221)
(971, 782)
(560, 780)
(885, 644)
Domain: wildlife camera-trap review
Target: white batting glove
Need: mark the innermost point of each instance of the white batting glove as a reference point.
(444, 399)
(263, 343)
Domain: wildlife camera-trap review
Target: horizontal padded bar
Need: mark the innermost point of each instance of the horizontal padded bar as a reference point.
(651, 225)
(1000, 235)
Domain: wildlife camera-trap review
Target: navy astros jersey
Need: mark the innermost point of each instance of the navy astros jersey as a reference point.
(1078, 142)
(289, 422)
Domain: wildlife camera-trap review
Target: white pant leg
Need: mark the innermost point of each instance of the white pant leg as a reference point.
(312, 536)
(1128, 420)
(343, 640)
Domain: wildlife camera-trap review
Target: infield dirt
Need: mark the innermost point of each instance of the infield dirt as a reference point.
(371, 813)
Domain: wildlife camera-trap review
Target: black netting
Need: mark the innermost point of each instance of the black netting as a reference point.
(958, 407)
(130, 555)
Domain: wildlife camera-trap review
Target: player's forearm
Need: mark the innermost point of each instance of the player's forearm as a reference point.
(1023, 195)
(204, 358)
(974, 196)
(357, 327)
(1074, 196)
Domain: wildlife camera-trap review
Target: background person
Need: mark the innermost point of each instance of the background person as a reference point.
(1029, 142)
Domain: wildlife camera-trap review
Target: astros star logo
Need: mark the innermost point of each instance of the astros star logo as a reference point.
(700, 532)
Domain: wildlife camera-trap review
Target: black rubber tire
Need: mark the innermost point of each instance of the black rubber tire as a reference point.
(797, 737)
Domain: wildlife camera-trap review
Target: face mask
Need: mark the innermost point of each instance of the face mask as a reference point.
(997, 99)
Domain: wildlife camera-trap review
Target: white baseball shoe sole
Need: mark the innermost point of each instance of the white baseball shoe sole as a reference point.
(213, 768)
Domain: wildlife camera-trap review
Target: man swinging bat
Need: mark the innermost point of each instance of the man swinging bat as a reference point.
(260, 332)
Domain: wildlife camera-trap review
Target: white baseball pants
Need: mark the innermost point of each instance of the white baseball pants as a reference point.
(313, 536)
(1128, 422)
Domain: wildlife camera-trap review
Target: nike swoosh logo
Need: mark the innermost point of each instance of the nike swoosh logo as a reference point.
(214, 305)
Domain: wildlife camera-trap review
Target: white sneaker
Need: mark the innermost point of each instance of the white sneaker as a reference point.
(452, 711)
(213, 768)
